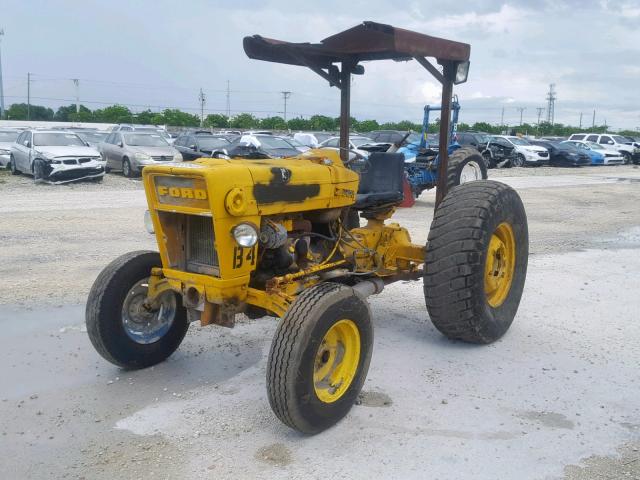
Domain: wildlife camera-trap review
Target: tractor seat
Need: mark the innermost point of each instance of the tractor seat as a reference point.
(381, 180)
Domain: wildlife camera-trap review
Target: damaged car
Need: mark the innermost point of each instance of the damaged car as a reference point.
(54, 156)
(7, 137)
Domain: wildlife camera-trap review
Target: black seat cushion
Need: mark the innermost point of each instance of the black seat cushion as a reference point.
(381, 180)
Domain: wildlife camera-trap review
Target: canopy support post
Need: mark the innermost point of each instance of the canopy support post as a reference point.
(445, 122)
(345, 109)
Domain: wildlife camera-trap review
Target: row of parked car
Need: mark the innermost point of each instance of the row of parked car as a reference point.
(506, 150)
(579, 149)
(63, 155)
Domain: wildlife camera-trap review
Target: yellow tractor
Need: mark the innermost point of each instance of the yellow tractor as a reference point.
(280, 237)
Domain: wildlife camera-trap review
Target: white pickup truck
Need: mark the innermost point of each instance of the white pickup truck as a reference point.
(612, 142)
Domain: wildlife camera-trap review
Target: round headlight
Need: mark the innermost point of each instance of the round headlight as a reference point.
(245, 234)
(148, 222)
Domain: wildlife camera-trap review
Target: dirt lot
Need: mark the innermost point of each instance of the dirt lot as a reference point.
(557, 397)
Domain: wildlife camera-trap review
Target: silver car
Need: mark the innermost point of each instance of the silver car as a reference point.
(7, 138)
(55, 156)
(129, 152)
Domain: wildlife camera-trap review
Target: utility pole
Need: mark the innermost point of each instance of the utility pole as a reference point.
(28, 96)
(551, 99)
(580, 120)
(285, 96)
(540, 110)
(502, 117)
(202, 98)
(76, 82)
(228, 100)
(521, 110)
(593, 122)
(1, 89)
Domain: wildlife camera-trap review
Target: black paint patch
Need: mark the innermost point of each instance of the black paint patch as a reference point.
(273, 193)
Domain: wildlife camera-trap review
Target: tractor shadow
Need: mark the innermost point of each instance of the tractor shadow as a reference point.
(407, 317)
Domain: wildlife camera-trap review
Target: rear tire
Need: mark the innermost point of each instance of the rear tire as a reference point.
(464, 165)
(105, 314)
(476, 261)
(319, 357)
(13, 166)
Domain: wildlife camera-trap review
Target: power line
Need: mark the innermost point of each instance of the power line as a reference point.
(202, 99)
(76, 82)
(228, 100)
(285, 96)
(551, 99)
(28, 96)
(1, 88)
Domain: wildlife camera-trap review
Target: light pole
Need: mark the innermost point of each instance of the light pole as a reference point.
(1, 90)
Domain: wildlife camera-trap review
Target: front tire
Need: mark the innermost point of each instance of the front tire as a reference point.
(120, 328)
(40, 170)
(465, 165)
(127, 171)
(627, 158)
(488, 160)
(518, 160)
(476, 261)
(319, 357)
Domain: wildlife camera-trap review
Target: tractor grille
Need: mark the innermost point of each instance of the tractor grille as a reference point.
(201, 255)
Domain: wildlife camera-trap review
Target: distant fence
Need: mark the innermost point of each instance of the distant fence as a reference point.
(43, 124)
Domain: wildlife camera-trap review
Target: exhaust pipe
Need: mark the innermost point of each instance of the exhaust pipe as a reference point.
(369, 287)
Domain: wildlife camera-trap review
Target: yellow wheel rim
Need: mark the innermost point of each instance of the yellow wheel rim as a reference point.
(500, 265)
(336, 361)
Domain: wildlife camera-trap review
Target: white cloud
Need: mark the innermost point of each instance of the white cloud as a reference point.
(505, 19)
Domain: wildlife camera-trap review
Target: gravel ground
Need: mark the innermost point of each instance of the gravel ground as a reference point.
(557, 397)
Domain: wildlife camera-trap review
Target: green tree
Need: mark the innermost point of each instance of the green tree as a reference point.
(65, 112)
(216, 120)
(145, 117)
(84, 115)
(631, 133)
(368, 125)
(178, 118)
(113, 114)
(434, 127)
(273, 123)
(323, 123)
(244, 120)
(299, 123)
(18, 111)
(486, 127)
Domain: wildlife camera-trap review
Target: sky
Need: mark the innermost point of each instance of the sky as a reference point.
(158, 54)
